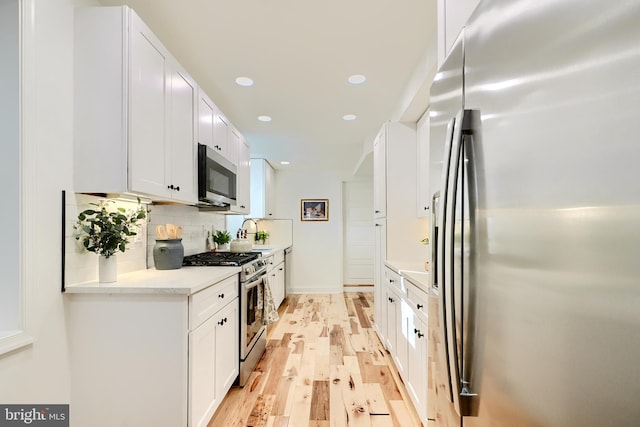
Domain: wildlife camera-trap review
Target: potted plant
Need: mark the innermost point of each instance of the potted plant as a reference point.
(262, 236)
(222, 238)
(105, 232)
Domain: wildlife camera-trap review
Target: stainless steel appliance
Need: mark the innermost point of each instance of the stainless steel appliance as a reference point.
(253, 337)
(534, 307)
(216, 178)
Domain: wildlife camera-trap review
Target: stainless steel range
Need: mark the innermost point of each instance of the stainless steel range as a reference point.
(253, 336)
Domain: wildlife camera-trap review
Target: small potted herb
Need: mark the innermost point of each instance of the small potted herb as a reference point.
(105, 232)
(222, 238)
(262, 236)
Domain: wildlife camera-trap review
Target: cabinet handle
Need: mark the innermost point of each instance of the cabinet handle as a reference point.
(243, 206)
(281, 269)
(270, 214)
(178, 188)
(378, 225)
(419, 306)
(221, 322)
(170, 187)
(391, 281)
(426, 208)
(376, 211)
(221, 296)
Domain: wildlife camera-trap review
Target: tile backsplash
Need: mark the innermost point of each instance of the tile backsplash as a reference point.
(82, 266)
(194, 223)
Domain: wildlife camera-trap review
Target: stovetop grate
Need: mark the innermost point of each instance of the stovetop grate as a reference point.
(219, 259)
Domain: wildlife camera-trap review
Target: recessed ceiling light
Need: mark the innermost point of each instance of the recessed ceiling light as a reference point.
(264, 118)
(244, 81)
(357, 79)
(285, 162)
(349, 117)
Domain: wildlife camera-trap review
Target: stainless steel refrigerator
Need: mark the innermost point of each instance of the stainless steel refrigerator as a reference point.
(534, 312)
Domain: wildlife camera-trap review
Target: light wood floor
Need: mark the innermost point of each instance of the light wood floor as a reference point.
(324, 366)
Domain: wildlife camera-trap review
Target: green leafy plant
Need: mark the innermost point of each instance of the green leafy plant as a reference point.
(103, 231)
(262, 236)
(222, 237)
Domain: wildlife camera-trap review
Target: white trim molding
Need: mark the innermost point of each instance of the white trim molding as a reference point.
(24, 335)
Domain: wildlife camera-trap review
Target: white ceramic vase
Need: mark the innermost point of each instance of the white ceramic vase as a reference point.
(222, 246)
(107, 269)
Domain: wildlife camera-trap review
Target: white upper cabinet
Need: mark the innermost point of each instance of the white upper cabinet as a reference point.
(214, 129)
(262, 193)
(422, 148)
(205, 119)
(380, 174)
(134, 110)
(243, 176)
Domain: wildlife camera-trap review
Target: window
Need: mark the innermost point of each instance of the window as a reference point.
(14, 295)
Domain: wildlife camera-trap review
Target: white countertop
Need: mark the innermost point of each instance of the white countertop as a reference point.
(415, 273)
(185, 280)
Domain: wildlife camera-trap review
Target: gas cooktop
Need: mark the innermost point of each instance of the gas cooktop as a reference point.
(219, 259)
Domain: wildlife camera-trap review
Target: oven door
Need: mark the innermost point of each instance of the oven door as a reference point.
(251, 326)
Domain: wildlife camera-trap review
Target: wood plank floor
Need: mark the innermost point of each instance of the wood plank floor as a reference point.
(324, 366)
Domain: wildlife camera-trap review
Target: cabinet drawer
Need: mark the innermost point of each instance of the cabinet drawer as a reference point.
(207, 302)
(417, 298)
(394, 280)
(278, 257)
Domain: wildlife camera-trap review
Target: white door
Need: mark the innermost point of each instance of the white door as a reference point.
(359, 242)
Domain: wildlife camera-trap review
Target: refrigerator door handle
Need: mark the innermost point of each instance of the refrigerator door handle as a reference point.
(459, 191)
(441, 289)
(448, 266)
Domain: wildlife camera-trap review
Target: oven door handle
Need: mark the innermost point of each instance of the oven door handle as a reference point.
(257, 275)
(254, 282)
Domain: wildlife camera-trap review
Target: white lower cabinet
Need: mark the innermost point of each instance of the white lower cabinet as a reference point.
(277, 273)
(213, 363)
(402, 329)
(152, 359)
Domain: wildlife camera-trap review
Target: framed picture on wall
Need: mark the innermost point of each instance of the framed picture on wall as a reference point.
(314, 209)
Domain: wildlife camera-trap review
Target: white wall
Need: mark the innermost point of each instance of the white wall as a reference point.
(40, 373)
(317, 245)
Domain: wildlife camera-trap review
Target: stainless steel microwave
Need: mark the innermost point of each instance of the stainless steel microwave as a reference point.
(216, 178)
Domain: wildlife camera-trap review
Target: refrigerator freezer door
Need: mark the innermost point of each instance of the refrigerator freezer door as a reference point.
(446, 98)
(557, 255)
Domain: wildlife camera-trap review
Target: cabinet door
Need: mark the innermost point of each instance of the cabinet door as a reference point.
(221, 135)
(380, 300)
(262, 194)
(182, 160)
(205, 120)
(269, 193)
(423, 196)
(227, 358)
(380, 175)
(148, 91)
(202, 373)
(243, 179)
(277, 278)
(392, 323)
(243, 183)
(417, 364)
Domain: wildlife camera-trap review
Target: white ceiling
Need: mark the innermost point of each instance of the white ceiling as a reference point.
(300, 54)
